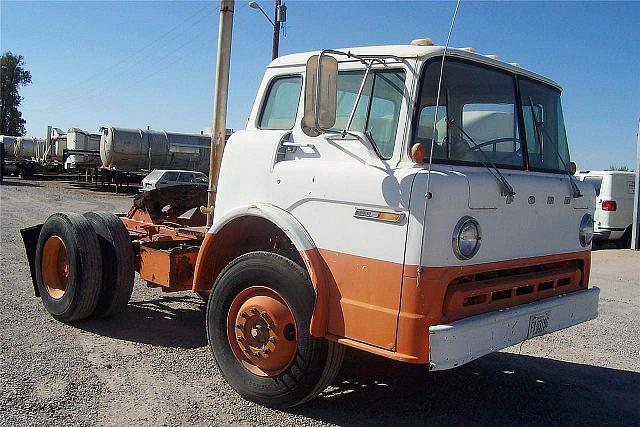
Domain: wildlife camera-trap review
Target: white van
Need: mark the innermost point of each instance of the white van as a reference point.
(614, 205)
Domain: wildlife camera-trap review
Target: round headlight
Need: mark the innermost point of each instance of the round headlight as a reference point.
(466, 238)
(586, 230)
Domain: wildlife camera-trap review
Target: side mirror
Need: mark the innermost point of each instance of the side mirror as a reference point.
(320, 94)
(571, 168)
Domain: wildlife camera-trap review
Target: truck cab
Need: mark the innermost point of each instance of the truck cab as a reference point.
(411, 245)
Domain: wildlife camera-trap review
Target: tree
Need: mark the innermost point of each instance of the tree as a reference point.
(12, 77)
(622, 168)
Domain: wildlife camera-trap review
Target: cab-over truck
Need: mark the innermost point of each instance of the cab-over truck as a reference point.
(358, 208)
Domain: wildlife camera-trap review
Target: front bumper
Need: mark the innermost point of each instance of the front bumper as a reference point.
(467, 339)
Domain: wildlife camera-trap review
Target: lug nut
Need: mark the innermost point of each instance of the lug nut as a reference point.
(238, 325)
(273, 339)
(253, 310)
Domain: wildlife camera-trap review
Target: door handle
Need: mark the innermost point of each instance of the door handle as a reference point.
(297, 144)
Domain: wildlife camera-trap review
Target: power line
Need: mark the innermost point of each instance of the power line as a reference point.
(106, 69)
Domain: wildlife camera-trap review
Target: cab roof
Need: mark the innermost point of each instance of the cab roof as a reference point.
(412, 51)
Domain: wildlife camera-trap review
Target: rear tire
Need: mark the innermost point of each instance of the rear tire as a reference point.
(118, 271)
(308, 364)
(68, 266)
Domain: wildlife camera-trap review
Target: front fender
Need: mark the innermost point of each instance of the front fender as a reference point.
(205, 273)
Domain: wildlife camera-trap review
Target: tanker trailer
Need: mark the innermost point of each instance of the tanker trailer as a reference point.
(9, 144)
(25, 148)
(130, 150)
(85, 142)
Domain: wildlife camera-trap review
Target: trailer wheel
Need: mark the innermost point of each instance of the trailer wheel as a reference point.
(68, 266)
(118, 271)
(258, 319)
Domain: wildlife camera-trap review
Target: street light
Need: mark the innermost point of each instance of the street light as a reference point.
(254, 5)
(280, 15)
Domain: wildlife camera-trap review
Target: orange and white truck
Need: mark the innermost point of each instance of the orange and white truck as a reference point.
(359, 208)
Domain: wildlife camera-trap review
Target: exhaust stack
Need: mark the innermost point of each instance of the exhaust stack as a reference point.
(220, 95)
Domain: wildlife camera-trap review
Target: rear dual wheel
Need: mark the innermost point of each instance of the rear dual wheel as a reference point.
(258, 319)
(118, 271)
(84, 265)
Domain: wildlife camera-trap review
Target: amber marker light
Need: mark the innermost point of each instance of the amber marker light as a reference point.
(418, 153)
(378, 215)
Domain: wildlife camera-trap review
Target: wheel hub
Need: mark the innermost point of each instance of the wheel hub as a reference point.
(261, 329)
(55, 267)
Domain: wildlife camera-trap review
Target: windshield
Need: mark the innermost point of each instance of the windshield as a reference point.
(547, 146)
(202, 178)
(154, 175)
(477, 118)
(479, 121)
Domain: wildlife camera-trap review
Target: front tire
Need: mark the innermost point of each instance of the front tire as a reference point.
(258, 319)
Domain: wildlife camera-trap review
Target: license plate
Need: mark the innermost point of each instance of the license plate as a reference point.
(538, 325)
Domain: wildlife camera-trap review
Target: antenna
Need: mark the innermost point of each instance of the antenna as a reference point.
(427, 194)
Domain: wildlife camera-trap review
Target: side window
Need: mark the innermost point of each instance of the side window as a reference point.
(186, 177)
(348, 85)
(378, 109)
(384, 112)
(170, 176)
(281, 106)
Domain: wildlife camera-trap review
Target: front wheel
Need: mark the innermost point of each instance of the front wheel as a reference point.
(258, 319)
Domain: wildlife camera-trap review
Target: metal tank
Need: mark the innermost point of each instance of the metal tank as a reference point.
(78, 139)
(9, 144)
(138, 149)
(25, 148)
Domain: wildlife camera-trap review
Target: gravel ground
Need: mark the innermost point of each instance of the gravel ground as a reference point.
(152, 365)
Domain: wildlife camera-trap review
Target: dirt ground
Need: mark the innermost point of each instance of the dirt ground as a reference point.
(152, 365)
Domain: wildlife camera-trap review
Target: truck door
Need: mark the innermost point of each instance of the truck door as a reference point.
(352, 198)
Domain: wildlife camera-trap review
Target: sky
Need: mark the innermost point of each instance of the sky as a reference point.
(139, 64)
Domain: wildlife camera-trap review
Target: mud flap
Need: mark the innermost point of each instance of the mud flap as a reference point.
(30, 239)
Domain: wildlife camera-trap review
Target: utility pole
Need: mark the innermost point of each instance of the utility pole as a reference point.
(276, 31)
(635, 231)
(220, 95)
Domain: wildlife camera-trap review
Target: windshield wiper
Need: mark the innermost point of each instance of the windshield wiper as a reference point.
(507, 189)
(575, 191)
(369, 135)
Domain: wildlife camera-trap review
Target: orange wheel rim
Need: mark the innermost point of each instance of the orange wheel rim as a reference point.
(262, 331)
(55, 267)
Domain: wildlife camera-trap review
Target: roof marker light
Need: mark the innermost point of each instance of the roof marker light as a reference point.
(422, 42)
(468, 49)
(496, 57)
(515, 64)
